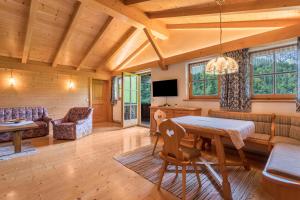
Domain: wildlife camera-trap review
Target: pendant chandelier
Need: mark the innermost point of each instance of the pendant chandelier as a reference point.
(222, 64)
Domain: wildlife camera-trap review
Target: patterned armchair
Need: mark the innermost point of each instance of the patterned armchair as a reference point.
(76, 124)
(37, 114)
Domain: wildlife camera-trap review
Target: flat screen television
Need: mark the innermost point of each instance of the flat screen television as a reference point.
(165, 88)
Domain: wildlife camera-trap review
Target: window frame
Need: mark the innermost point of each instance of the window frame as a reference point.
(270, 96)
(190, 84)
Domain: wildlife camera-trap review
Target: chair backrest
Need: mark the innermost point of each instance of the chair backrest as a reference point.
(78, 113)
(172, 133)
(159, 117)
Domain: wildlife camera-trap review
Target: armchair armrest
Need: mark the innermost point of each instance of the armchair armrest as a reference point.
(56, 122)
(81, 121)
(47, 119)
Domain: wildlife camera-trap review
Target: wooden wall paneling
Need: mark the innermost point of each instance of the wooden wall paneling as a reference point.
(157, 49)
(98, 38)
(68, 33)
(226, 8)
(246, 42)
(14, 63)
(31, 19)
(131, 15)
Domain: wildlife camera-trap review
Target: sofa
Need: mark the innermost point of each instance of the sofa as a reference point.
(37, 114)
(77, 123)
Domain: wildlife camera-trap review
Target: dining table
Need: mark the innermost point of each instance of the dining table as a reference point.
(219, 129)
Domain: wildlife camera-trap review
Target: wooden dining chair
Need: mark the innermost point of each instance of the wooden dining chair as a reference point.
(159, 117)
(174, 153)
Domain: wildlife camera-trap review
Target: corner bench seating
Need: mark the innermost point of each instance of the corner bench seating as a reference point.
(281, 135)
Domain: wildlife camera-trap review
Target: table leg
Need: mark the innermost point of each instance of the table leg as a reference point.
(221, 161)
(18, 141)
(244, 160)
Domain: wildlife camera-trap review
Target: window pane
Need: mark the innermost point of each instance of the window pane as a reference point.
(127, 82)
(263, 84)
(133, 83)
(211, 87)
(286, 59)
(262, 63)
(197, 72)
(286, 83)
(133, 96)
(198, 88)
(126, 96)
(210, 76)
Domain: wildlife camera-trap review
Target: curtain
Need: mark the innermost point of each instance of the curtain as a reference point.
(235, 88)
(114, 90)
(298, 88)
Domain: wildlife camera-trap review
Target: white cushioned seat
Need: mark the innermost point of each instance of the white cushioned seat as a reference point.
(282, 139)
(284, 161)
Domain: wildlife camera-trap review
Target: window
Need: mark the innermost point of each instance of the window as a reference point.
(274, 73)
(202, 85)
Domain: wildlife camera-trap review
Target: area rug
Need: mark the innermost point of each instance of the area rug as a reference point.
(245, 185)
(7, 150)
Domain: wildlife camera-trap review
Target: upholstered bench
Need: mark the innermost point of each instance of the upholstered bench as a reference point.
(287, 130)
(281, 175)
(264, 128)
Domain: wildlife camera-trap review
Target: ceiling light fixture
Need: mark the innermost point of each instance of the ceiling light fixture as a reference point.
(222, 64)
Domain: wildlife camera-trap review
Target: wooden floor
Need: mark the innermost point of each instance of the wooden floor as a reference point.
(82, 169)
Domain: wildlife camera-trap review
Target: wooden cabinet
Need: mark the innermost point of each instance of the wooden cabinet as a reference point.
(172, 112)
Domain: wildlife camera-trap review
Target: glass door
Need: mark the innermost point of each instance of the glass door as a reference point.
(130, 99)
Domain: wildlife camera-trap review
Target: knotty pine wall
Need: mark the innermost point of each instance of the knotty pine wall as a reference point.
(43, 89)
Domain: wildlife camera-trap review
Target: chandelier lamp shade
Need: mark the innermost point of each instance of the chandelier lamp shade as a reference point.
(221, 64)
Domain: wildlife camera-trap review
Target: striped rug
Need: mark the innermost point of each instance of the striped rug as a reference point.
(245, 185)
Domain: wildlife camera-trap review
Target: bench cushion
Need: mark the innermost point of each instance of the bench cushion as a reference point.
(281, 139)
(284, 161)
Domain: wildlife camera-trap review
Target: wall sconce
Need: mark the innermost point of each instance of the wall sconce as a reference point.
(12, 80)
(71, 85)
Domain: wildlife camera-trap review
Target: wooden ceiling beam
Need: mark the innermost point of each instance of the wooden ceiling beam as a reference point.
(156, 49)
(237, 24)
(246, 42)
(132, 56)
(67, 36)
(31, 18)
(131, 2)
(130, 15)
(117, 47)
(96, 41)
(226, 8)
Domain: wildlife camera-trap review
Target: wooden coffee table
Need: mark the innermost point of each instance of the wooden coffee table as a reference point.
(17, 130)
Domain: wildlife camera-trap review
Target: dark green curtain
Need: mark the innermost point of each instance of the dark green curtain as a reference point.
(235, 88)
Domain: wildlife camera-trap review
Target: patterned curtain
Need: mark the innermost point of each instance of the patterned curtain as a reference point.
(114, 90)
(235, 88)
(298, 88)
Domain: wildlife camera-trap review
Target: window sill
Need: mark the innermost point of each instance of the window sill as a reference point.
(274, 100)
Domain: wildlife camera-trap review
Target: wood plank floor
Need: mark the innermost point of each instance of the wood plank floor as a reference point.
(82, 169)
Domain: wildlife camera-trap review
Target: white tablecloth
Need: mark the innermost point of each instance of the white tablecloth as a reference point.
(238, 130)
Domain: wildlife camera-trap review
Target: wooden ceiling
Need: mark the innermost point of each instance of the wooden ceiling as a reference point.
(115, 35)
